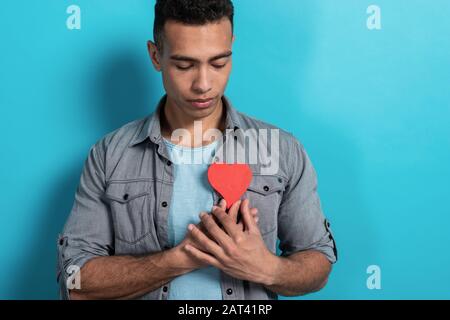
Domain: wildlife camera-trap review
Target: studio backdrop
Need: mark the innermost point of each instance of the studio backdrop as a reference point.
(365, 85)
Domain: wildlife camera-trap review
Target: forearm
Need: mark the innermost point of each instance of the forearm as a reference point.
(127, 277)
(299, 274)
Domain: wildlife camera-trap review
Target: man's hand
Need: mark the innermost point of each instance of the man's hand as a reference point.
(238, 250)
(190, 262)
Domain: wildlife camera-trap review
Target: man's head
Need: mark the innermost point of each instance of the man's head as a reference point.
(192, 49)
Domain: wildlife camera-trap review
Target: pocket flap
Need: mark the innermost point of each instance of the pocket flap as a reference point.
(125, 191)
(266, 185)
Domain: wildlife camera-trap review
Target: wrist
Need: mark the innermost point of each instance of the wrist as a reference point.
(179, 260)
(274, 266)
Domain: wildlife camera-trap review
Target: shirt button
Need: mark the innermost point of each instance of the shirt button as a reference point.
(164, 204)
(165, 289)
(229, 291)
(280, 180)
(125, 196)
(266, 188)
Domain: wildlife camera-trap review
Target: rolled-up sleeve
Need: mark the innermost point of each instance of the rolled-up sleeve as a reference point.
(301, 222)
(88, 232)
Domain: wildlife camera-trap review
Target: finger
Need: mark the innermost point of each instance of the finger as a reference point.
(228, 219)
(234, 211)
(200, 238)
(214, 230)
(203, 257)
(254, 213)
(203, 229)
(223, 204)
(246, 216)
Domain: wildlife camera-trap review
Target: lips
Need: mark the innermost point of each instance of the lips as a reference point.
(202, 100)
(201, 103)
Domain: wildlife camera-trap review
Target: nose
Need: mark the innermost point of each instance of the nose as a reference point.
(202, 83)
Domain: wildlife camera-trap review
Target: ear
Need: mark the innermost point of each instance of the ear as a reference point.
(154, 55)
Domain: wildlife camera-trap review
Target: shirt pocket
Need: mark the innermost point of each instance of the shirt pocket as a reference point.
(130, 203)
(265, 193)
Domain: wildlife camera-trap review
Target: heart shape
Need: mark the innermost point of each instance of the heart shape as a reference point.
(230, 180)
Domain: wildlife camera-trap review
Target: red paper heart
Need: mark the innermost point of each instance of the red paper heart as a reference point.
(230, 180)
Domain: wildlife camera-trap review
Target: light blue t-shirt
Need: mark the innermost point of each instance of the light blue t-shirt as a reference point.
(192, 194)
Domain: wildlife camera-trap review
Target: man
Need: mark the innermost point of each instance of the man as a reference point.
(135, 229)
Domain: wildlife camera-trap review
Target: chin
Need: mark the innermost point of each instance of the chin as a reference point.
(200, 113)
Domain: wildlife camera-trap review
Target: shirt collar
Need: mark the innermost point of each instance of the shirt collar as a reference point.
(152, 126)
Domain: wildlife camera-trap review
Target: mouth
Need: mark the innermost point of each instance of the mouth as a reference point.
(201, 103)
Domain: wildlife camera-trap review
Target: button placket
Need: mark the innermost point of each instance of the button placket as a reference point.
(164, 207)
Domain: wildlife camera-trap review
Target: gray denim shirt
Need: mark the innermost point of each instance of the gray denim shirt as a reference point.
(123, 198)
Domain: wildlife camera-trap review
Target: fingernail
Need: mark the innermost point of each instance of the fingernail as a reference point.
(190, 227)
(202, 214)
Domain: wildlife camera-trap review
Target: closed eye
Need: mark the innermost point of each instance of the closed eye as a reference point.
(219, 66)
(183, 68)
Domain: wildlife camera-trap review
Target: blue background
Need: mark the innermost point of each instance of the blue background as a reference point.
(372, 108)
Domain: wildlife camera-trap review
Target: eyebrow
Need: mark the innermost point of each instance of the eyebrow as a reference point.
(190, 59)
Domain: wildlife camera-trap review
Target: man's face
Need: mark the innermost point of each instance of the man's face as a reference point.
(195, 64)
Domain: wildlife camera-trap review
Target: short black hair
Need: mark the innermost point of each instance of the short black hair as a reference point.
(192, 12)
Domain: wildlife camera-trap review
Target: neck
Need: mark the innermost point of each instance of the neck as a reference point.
(172, 118)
